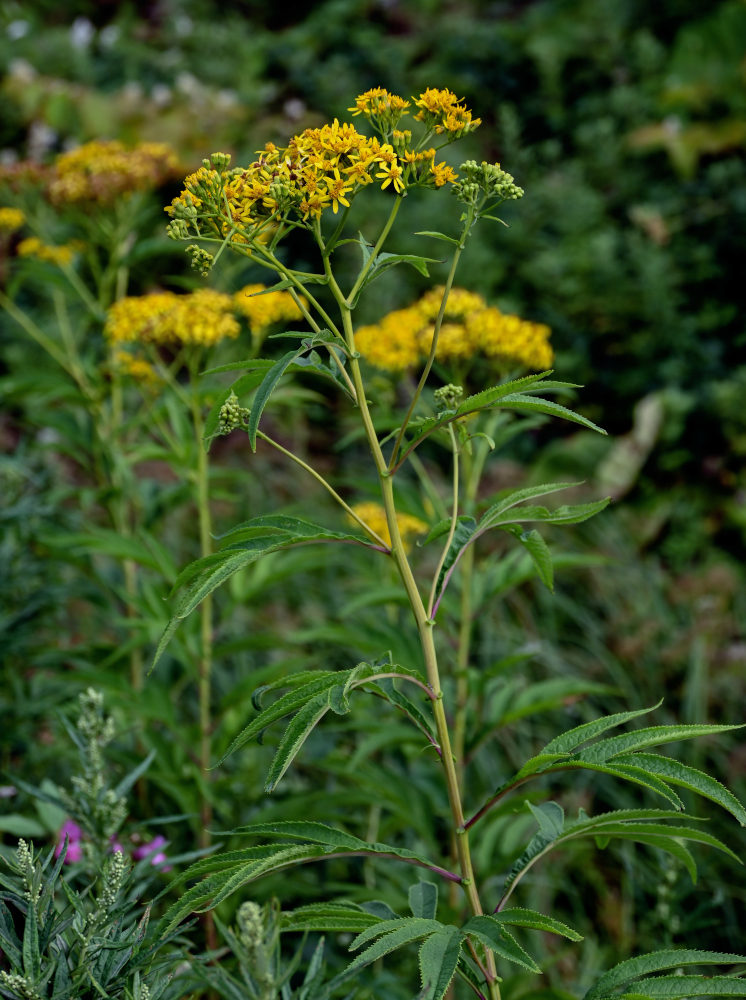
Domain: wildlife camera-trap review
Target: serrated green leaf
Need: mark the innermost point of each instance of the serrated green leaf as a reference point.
(423, 900)
(439, 957)
(462, 537)
(517, 916)
(676, 773)
(299, 729)
(573, 738)
(627, 772)
(31, 952)
(488, 930)
(657, 961)
(512, 498)
(648, 737)
(402, 930)
(673, 987)
(565, 514)
(528, 404)
(329, 836)
(337, 917)
(283, 707)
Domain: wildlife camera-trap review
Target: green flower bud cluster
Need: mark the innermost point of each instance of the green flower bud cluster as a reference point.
(177, 229)
(232, 415)
(221, 161)
(485, 181)
(25, 859)
(250, 925)
(186, 209)
(202, 261)
(447, 397)
(19, 985)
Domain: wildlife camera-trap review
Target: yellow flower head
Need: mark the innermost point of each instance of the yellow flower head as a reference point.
(32, 246)
(264, 310)
(102, 171)
(11, 219)
(442, 112)
(375, 517)
(201, 318)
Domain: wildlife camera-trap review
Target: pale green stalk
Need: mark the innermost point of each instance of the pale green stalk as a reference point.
(452, 528)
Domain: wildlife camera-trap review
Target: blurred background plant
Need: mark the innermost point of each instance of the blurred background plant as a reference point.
(625, 125)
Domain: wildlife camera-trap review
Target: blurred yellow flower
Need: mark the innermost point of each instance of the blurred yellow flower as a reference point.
(32, 246)
(470, 327)
(11, 219)
(102, 171)
(200, 318)
(136, 368)
(264, 310)
(375, 517)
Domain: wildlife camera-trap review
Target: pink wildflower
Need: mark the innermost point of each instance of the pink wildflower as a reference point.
(152, 849)
(74, 834)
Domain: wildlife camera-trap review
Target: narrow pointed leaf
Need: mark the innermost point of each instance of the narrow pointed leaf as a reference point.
(407, 930)
(675, 987)
(296, 734)
(515, 497)
(437, 236)
(284, 706)
(676, 773)
(657, 961)
(651, 736)
(519, 917)
(338, 917)
(265, 390)
(439, 957)
(541, 557)
(627, 772)
(529, 404)
(574, 738)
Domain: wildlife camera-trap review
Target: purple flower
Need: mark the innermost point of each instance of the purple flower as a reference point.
(152, 849)
(74, 834)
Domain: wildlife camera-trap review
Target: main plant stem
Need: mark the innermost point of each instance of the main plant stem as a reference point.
(425, 626)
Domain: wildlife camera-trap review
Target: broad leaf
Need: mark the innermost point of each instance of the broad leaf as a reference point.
(439, 956)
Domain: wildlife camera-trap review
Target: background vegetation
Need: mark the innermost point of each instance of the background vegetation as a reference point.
(626, 125)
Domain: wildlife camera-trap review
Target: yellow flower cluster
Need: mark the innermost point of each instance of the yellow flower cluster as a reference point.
(11, 219)
(441, 111)
(263, 310)
(201, 318)
(322, 168)
(101, 171)
(404, 337)
(32, 246)
(375, 517)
